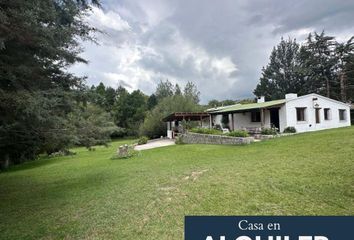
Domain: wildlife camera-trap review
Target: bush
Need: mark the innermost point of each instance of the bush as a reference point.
(142, 140)
(238, 133)
(206, 131)
(119, 133)
(153, 126)
(179, 140)
(290, 130)
(269, 131)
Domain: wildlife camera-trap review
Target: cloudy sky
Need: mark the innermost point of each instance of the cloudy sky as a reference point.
(219, 45)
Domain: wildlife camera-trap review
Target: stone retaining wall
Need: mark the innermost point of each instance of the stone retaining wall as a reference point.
(214, 139)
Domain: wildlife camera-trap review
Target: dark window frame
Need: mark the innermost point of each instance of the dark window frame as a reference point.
(301, 116)
(342, 114)
(327, 114)
(256, 116)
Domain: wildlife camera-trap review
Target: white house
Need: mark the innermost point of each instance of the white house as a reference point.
(306, 113)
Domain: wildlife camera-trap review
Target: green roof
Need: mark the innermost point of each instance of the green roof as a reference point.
(243, 107)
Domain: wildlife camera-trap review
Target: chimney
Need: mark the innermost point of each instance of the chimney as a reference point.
(290, 95)
(260, 99)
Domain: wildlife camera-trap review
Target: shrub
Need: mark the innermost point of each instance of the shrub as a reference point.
(269, 131)
(119, 133)
(290, 130)
(206, 131)
(179, 140)
(143, 140)
(238, 133)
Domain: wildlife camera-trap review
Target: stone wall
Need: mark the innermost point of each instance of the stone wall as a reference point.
(214, 139)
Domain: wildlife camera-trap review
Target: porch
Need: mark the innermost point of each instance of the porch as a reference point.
(251, 117)
(174, 121)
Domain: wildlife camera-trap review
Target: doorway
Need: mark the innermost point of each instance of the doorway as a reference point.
(274, 117)
(317, 112)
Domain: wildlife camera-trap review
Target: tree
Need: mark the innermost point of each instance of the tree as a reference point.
(164, 89)
(191, 92)
(283, 74)
(153, 126)
(177, 90)
(103, 96)
(129, 110)
(151, 102)
(214, 103)
(39, 40)
(319, 65)
(91, 126)
(345, 69)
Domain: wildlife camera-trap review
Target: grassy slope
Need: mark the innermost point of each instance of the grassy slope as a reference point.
(147, 197)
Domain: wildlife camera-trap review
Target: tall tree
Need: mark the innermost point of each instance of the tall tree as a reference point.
(345, 69)
(151, 102)
(39, 40)
(319, 65)
(178, 90)
(282, 75)
(164, 89)
(129, 110)
(191, 91)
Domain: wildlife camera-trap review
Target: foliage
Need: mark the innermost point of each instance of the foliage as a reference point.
(91, 126)
(119, 133)
(225, 121)
(179, 140)
(39, 41)
(206, 131)
(269, 131)
(320, 65)
(143, 140)
(191, 92)
(238, 133)
(129, 110)
(97, 190)
(215, 103)
(151, 102)
(164, 89)
(153, 126)
(290, 130)
(103, 96)
(282, 75)
(177, 90)
(189, 124)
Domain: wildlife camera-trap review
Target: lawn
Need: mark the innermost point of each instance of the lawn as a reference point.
(90, 196)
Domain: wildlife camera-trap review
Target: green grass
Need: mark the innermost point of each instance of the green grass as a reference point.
(90, 196)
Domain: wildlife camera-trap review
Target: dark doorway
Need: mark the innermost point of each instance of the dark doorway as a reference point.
(274, 117)
(318, 115)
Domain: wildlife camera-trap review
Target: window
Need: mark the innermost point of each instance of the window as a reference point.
(256, 116)
(317, 112)
(300, 114)
(326, 113)
(341, 114)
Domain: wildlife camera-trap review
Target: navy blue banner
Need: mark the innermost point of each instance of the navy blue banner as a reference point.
(268, 228)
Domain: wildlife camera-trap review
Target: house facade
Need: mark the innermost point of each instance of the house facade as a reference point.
(306, 113)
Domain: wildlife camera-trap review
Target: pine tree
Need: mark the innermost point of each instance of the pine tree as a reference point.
(282, 75)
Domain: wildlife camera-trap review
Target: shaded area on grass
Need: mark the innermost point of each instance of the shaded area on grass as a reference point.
(90, 196)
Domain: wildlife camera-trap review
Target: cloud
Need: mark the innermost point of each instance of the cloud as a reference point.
(107, 20)
(221, 46)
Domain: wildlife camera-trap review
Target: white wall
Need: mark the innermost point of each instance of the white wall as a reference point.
(242, 120)
(310, 119)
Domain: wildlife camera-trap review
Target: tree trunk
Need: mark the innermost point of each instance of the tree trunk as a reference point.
(328, 87)
(5, 163)
(343, 90)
